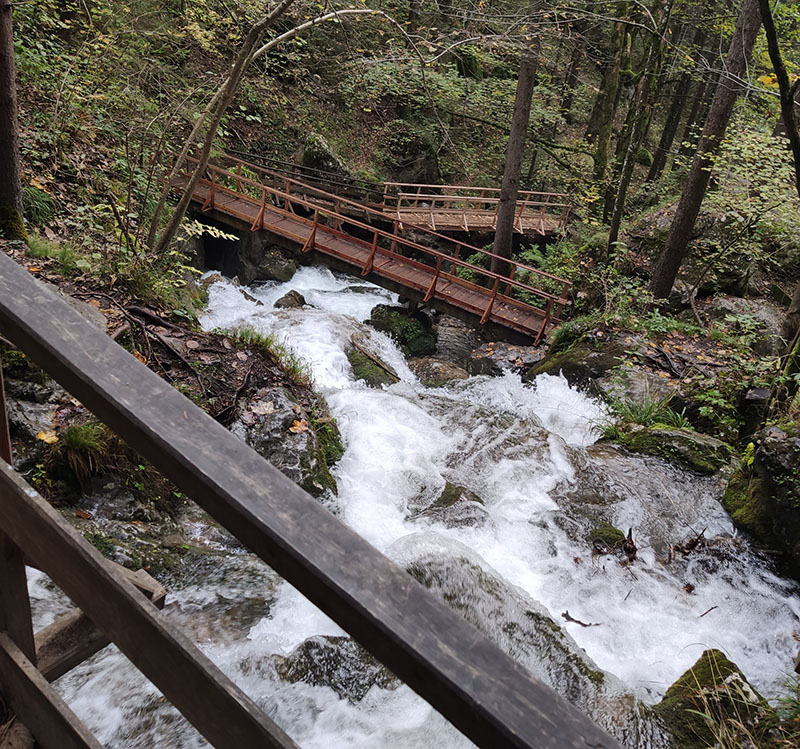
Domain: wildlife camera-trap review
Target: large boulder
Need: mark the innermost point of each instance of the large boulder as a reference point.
(496, 357)
(455, 341)
(764, 497)
(335, 662)
(434, 372)
(697, 451)
(455, 506)
(760, 318)
(410, 330)
(282, 431)
(711, 699)
(317, 153)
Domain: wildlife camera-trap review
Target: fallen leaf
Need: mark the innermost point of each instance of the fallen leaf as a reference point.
(84, 514)
(192, 344)
(49, 438)
(298, 427)
(140, 357)
(34, 268)
(241, 356)
(94, 303)
(264, 408)
(50, 234)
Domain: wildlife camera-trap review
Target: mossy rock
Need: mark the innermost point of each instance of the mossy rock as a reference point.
(608, 535)
(580, 363)
(713, 691)
(747, 503)
(697, 451)
(411, 331)
(366, 369)
(455, 507)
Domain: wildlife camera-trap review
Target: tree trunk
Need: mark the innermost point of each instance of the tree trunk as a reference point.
(702, 98)
(741, 47)
(642, 113)
(11, 224)
(673, 117)
(602, 121)
(509, 189)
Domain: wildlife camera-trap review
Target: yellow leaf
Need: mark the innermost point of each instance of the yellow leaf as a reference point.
(140, 357)
(298, 427)
(34, 268)
(49, 438)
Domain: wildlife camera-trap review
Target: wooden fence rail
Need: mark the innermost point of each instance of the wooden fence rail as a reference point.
(460, 672)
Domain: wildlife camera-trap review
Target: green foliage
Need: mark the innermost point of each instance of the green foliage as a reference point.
(83, 449)
(38, 206)
(297, 370)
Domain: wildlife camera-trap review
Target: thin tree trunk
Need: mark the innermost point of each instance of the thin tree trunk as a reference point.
(642, 115)
(702, 100)
(602, 122)
(744, 37)
(509, 189)
(673, 117)
(11, 224)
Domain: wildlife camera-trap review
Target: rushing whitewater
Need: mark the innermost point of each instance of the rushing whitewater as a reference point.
(528, 453)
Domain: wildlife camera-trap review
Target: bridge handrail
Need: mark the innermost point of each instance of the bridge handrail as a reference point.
(471, 249)
(484, 692)
(318, 209)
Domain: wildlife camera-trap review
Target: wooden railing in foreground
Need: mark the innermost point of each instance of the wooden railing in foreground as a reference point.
(326, 217)
(479, 688)
(542, 211)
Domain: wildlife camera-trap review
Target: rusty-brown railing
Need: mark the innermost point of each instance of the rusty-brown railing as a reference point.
(460, 206)
(322, 215)
(484, 692)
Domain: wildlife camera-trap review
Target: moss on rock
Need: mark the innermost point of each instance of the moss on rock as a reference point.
(712, 693)
(366, 369)
(411, 331)
(747, 504)
(700, 452)
(608, 535)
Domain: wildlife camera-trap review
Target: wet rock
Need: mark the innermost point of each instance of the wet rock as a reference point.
(607, 536)
(583, 362)
(520, 626)
(292, 300)
(27, 419)
(274, 265)
(713, 687)
(494, 358)
(456, 506)
(764, 500)
(634, 385)
(697, 451)
(338, 663)
(209, 279)
(410, 330)
(455, 340)
(435, 373)
(280, 430)
(367, 366)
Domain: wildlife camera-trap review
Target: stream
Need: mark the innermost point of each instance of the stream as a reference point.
(514, 557)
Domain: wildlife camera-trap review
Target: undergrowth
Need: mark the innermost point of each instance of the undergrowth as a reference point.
(296, 369)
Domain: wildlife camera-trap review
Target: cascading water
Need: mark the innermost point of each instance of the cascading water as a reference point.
(512, 557)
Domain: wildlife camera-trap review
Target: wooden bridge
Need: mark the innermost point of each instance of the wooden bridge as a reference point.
(473, 209)
(484, 692)
(441, 272)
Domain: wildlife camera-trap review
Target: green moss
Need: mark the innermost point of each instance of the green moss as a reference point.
(451, 494)
(330, 441)
(746, 502)
(608, 535)
(366, 369)
(102, 543)
(409, 331)
(710, 700)
(697, 451)
(11, 224)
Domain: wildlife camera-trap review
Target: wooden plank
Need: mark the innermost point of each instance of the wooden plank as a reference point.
(37, 704)
(208, 699)
(483, 691)
(73, 637)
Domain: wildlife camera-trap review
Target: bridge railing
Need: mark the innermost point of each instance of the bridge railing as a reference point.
(484, 692)
(541, 211)
(325, 210)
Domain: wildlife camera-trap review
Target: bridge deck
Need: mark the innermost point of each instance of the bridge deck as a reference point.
(437, 281)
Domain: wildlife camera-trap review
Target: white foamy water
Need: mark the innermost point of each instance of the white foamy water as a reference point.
(527, 451)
